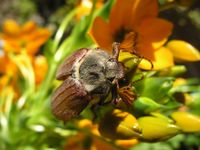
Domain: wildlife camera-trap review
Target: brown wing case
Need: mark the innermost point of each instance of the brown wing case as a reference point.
(67, 66)
(69, 99)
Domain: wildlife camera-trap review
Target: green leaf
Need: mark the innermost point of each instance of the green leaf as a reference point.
(146, 105)
(105, 11)
(62, 28)
(194, 105)
(155, 88)
(48, 51)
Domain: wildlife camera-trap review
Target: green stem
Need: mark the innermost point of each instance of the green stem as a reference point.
(43, 90)
(62, 29)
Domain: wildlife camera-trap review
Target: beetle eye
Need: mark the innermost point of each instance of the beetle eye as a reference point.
(111, 64)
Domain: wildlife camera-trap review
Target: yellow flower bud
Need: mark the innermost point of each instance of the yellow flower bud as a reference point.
(187, 121)
(180, 81)
(129, 60)
(117, 124)
(157, 128)
(183, 51)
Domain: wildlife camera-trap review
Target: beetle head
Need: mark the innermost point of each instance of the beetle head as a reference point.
(112, 69)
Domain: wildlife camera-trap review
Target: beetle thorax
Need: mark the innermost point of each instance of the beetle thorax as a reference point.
(91, 71)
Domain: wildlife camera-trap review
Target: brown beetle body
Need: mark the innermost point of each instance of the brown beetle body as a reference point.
(66, 69)
(87, 73)
(69, 99)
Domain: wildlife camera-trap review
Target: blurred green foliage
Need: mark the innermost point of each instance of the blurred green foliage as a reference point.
(28, 123)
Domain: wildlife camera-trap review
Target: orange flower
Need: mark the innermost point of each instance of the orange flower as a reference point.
(8, 87)
(4, 80)
(19, 39)
(40, 67)
(28, 37)
(134, 23)
(7, 66)
(10, 71)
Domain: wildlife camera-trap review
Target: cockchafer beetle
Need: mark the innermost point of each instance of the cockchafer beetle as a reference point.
(86, 74)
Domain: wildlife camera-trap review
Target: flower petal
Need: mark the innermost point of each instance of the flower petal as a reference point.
(35, 40)
(10, 27)
(35, 35)
(162, 58)
(146, 50)
(154, 30)
(40, 63)
(29, 26)
(33, 47)
(142, 9)
(183, 51)
(11, 46)
(159, 44)
(120, 14)
(3, 61)
(4, 80)
(100, 32)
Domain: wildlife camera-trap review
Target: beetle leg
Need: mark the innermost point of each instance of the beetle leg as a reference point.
(127, 95)
(115, 99)
(116, 83)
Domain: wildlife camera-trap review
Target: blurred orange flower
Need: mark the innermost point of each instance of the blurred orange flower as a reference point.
(23, 41)
(10, 70)
(7, 66)
(135, 24)
(4, 80)
(7, 71)
(28, 37)
(40, 67)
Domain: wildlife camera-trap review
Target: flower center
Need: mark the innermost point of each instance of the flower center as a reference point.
(23, 43)
(120, 34)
